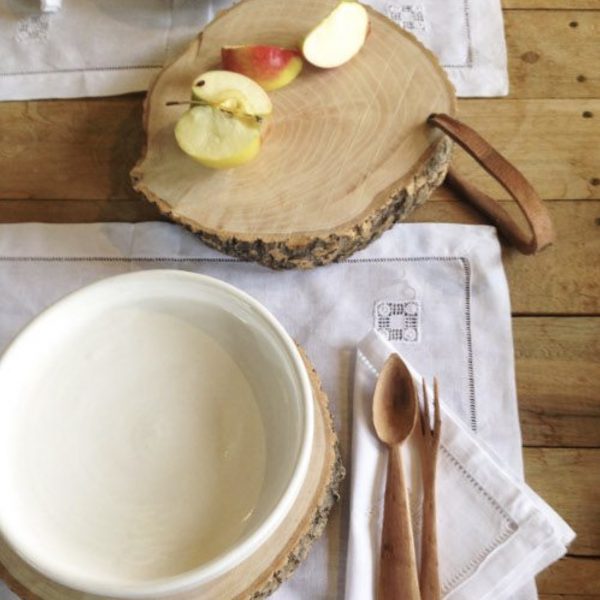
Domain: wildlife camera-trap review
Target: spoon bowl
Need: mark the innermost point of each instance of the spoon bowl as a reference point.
(395, 407)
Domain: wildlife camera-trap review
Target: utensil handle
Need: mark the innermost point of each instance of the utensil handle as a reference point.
(398, 564)
(509, 177)
(429, 580)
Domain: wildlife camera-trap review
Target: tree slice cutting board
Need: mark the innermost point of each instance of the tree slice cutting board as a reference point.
(263, 572)
(347, 151)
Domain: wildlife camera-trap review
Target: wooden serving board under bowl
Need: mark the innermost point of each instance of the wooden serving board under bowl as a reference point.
(347, 151)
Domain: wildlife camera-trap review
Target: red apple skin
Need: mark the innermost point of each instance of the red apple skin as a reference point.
(271, 67)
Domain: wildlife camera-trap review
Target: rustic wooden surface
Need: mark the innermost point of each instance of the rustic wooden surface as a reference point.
(69, 162)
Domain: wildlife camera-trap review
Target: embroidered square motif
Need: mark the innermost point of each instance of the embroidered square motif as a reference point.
(398, 321)
(409, 16)
(33, 29)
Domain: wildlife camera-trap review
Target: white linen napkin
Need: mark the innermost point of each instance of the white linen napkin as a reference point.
(106, 47)
(494, 532)
(437, 291)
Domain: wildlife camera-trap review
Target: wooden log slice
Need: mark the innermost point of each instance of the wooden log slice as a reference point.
(347, 152)
(262, 573)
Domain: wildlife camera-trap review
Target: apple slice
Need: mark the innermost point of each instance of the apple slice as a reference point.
(270, 66)
(339, 37)
(232, 92)
(216, 139)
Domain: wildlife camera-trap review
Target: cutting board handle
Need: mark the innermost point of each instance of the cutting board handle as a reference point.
(511, 179)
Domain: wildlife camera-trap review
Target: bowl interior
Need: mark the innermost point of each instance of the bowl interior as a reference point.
(149, 425)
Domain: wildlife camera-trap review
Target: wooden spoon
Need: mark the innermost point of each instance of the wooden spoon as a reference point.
(395, 410)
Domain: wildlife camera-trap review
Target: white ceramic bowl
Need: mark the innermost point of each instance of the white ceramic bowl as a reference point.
(155, 428)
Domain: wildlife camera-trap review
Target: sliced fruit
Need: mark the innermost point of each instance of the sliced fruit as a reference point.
(216, 139)
(270, 66)
(233, 92)
(339, 37)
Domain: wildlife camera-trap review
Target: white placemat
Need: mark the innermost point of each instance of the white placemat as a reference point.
(438, 293)
(106, 47)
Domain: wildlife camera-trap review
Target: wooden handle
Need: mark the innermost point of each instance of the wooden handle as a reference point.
(429, 579)
(398, 564)
(511, 179)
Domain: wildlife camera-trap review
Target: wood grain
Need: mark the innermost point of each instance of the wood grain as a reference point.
(77, 211)
(558, 380)
(550, 141)
(553, 54)
(398, 576)
(572, 579)
(573, 490)
(347, 152)
(69, 149)
(84, 149)
(430, 436)
(565, 278)
(541, 5)
(568, 597)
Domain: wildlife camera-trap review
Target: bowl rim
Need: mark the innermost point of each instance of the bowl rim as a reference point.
(232, 557)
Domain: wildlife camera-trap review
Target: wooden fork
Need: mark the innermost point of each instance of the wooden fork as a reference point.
(429, 578)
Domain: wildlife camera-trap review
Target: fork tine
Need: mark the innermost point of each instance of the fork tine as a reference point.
(421, 415)
(436, 402)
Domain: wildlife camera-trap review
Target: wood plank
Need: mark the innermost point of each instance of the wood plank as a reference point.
(564, 279)
(77, 211)
(569, 480)
(568, 597)
(550, 141)
(70, 149)
(84, 149)
(551, 4)
(553, 54)
(571, 579)
(558, 380)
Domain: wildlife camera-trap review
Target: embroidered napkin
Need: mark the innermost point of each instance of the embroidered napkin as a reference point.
(437, 292)
(494, 533)
(106, 47)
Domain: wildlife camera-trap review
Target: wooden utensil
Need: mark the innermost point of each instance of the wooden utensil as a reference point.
(429, 579)
(394, 417)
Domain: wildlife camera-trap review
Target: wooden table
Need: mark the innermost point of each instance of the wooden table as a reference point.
(68, 161)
